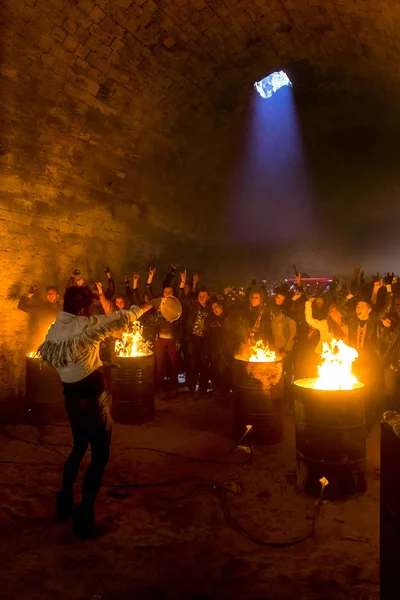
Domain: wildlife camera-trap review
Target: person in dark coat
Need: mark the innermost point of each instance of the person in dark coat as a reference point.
(42, 313)
(222, 341)
(256, 318)
(194, 333)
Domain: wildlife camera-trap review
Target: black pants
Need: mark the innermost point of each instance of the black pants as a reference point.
(221, 371)
(288, 376)
(197, 365)
(89, 416)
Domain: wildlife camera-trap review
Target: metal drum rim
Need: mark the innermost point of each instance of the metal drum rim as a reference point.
(300, 385)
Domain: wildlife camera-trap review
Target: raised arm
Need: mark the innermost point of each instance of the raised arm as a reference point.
(316, 323)
(169, 276)
(388, 304)
(105, 303)
(149, 287)
(25, 303)
(181, 289)
(195, 282)
(129, 291)
(74, 279)
(110, 291)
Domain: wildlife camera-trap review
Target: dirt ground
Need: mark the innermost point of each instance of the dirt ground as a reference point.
(174, 542)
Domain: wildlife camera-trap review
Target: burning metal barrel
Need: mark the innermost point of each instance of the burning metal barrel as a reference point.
(132, 381)
(330, 426)
(330, 438)
(44, 394)
(258, 389)
(132, 386)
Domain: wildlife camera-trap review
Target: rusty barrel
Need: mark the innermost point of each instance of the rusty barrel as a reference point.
(330, 439)
(132, 387)
(44, 396)
(258, 390)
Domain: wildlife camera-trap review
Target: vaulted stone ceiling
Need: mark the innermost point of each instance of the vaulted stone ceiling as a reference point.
(115, 103)
(92, 91)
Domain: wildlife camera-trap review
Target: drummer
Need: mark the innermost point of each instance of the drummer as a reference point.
(169, 333)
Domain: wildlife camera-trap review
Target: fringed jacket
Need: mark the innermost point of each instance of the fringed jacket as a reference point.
(72, 343)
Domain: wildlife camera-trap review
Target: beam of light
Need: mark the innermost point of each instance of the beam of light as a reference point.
(271, 197)
(271, 84)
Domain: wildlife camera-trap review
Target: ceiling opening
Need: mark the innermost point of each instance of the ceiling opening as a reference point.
(272, 83)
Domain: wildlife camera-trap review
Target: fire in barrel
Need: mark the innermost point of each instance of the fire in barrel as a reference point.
(330, 426)
(132, 381)
(44, 398)
(258, 394)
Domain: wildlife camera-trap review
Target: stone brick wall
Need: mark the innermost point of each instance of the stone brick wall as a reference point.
(112, 111)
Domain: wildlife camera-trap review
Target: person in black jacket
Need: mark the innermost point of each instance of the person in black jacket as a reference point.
(195, 320)
(223, 340)
(364, 336)
(42, 313)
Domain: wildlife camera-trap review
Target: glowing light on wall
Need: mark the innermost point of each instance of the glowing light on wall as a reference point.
(271, 84)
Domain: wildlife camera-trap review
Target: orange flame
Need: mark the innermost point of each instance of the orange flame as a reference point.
(335, 372)
(133, 344)
(260, 352)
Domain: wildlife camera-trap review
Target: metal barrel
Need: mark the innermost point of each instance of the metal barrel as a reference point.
(132, 387)
(258, 390)
(44, 396)
(390, 506)
(330, 439)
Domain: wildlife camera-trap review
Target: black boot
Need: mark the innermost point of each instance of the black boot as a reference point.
(84, 525)
(64, 506)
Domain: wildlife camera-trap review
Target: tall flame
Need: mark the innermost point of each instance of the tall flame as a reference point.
(261, 353)
(133, 344)
(335, 372)
(257, 353)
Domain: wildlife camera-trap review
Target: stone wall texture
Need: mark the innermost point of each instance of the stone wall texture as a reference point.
(112, 111)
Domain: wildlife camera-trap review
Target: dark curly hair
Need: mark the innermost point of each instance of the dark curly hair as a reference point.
(77, 298)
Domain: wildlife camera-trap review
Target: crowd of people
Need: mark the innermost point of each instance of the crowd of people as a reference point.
(294, 318)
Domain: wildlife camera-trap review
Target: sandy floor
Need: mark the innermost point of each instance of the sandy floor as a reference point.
(165, 542)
